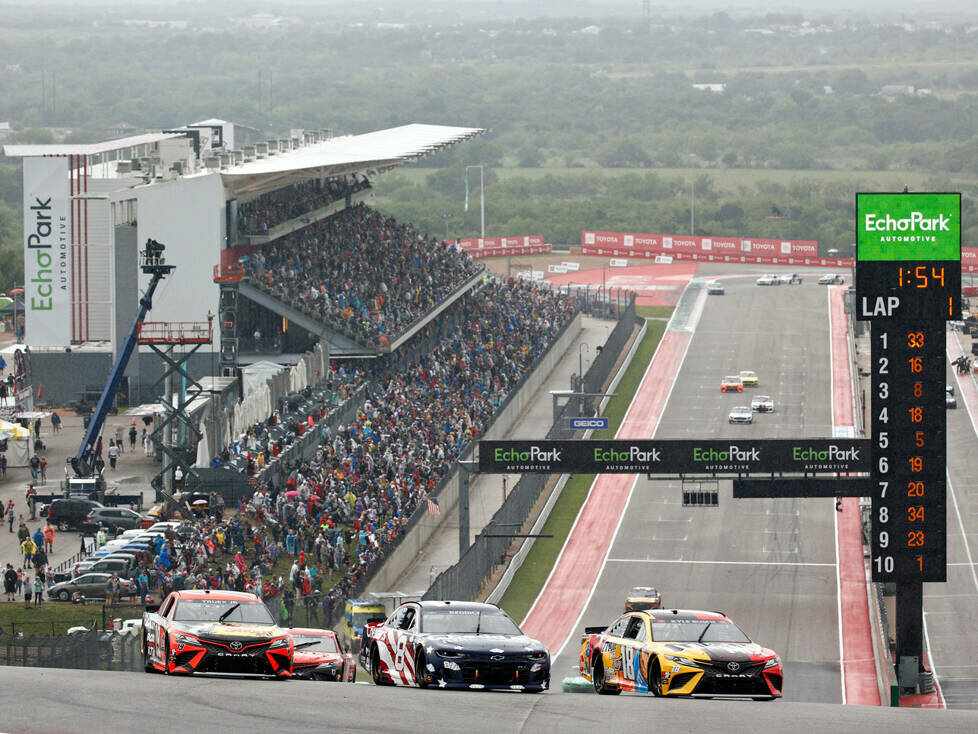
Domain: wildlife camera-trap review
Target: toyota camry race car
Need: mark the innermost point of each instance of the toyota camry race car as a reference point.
(214, 632)
(318, 656)
(452, 644)
(643, 597)
(673, 652)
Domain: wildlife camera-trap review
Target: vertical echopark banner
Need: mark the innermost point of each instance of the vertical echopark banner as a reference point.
(47, 295)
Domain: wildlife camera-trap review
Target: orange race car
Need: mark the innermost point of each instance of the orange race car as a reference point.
(204, 631)
(731, 383)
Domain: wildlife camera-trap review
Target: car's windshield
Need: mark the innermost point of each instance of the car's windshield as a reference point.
(696, 630)
(315, 643)
(469, 621)
(210, 610)
(642, 591)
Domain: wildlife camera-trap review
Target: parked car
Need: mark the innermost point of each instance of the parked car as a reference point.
(114, 519)
(89, 585)
(69, 514)
(122, 566)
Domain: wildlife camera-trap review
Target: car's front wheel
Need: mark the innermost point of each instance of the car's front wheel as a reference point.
(655, 678)
(63, 595)
(421, 670)
(63, 526)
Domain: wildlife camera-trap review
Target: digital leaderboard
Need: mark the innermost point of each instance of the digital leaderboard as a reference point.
(908, 284)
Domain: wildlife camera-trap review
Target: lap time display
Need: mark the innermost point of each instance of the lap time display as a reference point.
(908, 284)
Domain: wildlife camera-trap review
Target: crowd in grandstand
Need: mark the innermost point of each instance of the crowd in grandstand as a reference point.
(347, 505)
(362, 271)
(258, 216)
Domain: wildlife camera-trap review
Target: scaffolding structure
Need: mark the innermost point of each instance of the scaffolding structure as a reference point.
(176, 435)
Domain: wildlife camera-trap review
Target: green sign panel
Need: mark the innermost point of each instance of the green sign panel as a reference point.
(908, 227)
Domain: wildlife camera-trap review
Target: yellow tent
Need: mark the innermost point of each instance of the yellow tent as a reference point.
(19, 448)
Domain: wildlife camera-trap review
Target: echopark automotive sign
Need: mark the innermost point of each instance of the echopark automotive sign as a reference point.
(811, 456)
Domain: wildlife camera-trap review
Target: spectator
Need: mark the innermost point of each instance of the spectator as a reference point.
(38, 589)
(113, 452)
(55, 422)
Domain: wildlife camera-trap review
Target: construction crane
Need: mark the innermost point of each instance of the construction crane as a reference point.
(154, 264)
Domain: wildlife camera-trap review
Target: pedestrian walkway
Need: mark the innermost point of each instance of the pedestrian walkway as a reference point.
(132, 474)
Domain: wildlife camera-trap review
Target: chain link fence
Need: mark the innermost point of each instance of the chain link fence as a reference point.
(90, 650)
(466, 578)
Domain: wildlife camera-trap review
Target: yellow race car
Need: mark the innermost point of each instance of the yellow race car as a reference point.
(749, 378)
(675, 652)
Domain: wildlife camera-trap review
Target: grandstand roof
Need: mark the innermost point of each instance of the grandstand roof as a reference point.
(347, 154)
(26, 151)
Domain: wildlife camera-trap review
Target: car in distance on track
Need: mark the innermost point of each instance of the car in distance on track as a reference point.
(318, 656)
(675, 652)
(789, 279)
(643, 597)
(767, 279)
(454, 644)
(831, 278)
(204, 631)
(731, 383)
(762, 404)
(741, 414)
(749, 378)
(715, 288)
(950, 401)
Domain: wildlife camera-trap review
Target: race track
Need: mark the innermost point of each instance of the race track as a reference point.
(769, 564)
(46, 701)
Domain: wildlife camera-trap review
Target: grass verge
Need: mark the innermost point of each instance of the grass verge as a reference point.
(529, 580)
(53, 618)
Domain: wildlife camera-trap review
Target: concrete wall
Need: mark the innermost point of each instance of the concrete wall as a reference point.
(418, 536)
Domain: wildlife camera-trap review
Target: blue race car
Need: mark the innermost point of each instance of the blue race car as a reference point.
(454, 644)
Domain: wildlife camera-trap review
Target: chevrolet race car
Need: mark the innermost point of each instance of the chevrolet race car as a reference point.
(673, 652)
(452, 644)
(214, 632)
(318, 656)
(731, 383)
(643, 597)
(762, 404)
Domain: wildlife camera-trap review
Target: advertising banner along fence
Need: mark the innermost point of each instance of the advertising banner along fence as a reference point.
(712, 249)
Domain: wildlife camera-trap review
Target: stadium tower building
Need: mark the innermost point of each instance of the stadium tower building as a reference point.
(89, 207)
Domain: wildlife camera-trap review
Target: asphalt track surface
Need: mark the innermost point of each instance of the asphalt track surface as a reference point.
(769, 564)
(950, 608)
(54, 701)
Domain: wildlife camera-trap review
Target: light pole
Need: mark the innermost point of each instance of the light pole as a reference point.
(580, 363)
(482, 193)
(692, 193)
(446, 217)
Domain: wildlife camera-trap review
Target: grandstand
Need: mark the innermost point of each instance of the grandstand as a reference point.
(210, 203)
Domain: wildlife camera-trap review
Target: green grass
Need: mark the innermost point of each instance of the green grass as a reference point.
(529, 580)
(55, 617)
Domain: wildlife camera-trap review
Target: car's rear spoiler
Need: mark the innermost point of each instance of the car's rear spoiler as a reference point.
(594, 630)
